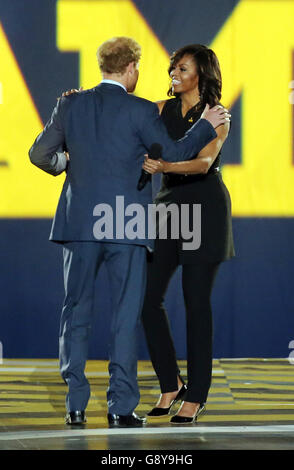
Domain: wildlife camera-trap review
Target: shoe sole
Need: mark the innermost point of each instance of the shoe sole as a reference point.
(126, 425)
(75, 423)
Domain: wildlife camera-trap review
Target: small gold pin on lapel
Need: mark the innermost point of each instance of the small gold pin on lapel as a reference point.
(190, 120)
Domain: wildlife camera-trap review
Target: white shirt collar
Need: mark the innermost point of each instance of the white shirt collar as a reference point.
(113, 82)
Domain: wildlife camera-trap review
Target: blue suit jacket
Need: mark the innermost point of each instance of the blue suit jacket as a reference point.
(106, 132)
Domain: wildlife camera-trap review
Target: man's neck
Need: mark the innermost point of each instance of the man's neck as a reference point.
(115, 77)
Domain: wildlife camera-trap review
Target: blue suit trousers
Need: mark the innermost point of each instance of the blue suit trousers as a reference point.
(126, 267)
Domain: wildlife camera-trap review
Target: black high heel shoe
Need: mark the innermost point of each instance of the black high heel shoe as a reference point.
(188, 419)
(165, 411)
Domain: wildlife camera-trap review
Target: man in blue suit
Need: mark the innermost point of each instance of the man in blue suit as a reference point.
(106, 132)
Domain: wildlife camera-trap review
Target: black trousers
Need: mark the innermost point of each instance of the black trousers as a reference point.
(197, 283)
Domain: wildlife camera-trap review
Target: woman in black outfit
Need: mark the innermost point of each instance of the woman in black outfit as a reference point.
(196, 80)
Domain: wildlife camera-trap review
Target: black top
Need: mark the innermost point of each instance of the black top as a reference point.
(207, 190)
(177, 125)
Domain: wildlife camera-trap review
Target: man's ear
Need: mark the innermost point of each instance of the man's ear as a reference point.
(131, 67)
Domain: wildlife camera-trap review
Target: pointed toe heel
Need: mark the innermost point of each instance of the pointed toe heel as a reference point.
(157, 411)
(188, 419)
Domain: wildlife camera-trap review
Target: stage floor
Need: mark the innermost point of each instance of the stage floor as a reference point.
(250, 406)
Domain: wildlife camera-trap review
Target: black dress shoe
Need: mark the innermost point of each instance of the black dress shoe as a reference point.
(188, 419)
(119, 421)
(157, 411)
(75, 417)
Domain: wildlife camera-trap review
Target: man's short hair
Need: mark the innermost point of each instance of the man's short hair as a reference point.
(117, 53)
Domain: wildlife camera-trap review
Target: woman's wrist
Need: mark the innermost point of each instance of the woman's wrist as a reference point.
(165, 167)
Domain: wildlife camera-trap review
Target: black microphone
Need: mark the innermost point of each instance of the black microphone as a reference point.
(155, 153)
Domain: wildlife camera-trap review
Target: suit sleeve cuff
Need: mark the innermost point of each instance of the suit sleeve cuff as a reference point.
(60, 163)
(209, 127)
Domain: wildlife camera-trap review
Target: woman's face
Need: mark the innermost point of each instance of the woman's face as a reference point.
(184, 75)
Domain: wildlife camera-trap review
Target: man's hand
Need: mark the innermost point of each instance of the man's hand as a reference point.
(216, 116)
(67, 155)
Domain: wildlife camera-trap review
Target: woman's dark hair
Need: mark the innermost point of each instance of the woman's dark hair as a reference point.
(208, 69)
